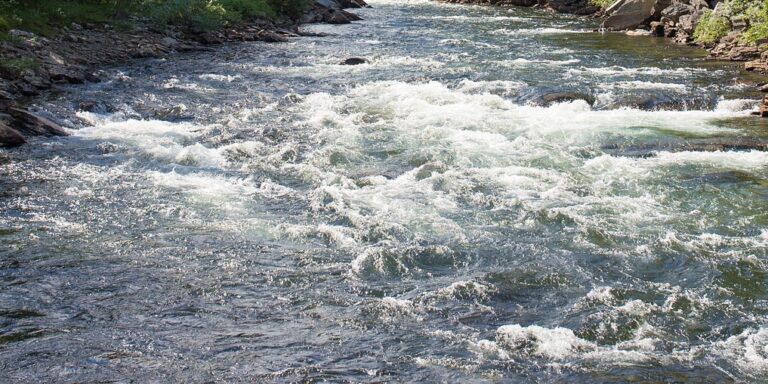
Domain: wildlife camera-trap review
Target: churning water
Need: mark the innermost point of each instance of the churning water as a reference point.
(499, 195)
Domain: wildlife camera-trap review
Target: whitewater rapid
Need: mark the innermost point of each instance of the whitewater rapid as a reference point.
(427, 216)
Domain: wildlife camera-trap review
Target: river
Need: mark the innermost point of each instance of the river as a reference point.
(499, 195)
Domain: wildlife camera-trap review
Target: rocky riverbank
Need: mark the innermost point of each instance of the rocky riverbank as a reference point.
(32, 64)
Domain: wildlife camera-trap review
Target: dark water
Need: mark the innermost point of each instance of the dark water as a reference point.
(432, 216)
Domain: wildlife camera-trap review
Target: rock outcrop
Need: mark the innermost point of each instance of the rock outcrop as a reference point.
(629, 14)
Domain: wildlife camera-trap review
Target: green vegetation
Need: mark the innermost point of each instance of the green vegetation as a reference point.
(758, 19)
(45, 15)
(714, 26)
(17, 66)
(602, 3)
(711, 28)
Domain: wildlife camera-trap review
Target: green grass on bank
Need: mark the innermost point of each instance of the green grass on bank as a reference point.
(44, 16)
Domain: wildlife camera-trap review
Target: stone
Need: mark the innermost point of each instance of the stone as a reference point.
(743, 53)
(10, 137)
(688, 22)
(763, 88)
(676, 10)
(764, 110)
(565, 96)
(354, 61)
(100, 107)
(756, 66)
(169, 42)
(33, 124)
(630, 14)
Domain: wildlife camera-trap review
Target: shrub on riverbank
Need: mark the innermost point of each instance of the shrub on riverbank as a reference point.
(716, 24)
(45, 16)
(602, 3)
(711, 28)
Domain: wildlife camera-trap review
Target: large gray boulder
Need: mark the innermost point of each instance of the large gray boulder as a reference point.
(630, 14)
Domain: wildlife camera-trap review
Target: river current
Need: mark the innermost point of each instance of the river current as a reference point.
(499, 195)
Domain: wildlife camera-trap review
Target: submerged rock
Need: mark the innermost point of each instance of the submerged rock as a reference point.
(548, 99)
(355, 61)
(696, 145)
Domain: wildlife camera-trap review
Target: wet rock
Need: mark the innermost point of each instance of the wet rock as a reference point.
(756, 66)
(34, 124)
(271, 37)
(354, 61)
(563, 97)
(10, 137)
(67, 74)
(100, 107)
(351, 4)
(340, 17)
(694, 145)
(173, 114)
(651, 102)
(763, 88)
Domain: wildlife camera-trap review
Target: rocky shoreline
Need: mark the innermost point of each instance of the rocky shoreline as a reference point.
(33, 65)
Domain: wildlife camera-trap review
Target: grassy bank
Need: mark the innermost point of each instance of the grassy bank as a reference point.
(44, 16)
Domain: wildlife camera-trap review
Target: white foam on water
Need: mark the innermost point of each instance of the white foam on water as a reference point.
(736, 105)
(473, 19)
(537, 31)
(528, 62)
(644, 85)
(218, 77)
(552, 343)
(171, 142)
(749, 351)
(640, 71)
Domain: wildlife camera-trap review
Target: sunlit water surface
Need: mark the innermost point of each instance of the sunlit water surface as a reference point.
(432, 215)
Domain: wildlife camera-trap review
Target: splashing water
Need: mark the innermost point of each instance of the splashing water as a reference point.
(497, 195)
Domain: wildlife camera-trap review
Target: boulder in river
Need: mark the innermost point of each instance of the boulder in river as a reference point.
(628, 14)
(354, 61)
(563, 97)
(10, 137)
(34, 124)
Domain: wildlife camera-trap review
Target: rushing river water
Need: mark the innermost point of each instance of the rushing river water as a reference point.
(447, 212)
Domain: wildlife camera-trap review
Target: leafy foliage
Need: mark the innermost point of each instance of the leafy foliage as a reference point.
(44, 16)
(754, 12)
(602, 3)
(711, 28)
